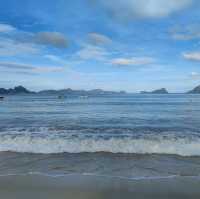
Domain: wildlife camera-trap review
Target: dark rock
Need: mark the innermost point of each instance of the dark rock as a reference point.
(16, 90)
(158, 91)
(196, 90)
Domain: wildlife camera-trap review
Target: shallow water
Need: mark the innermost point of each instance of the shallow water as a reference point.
(134, 136)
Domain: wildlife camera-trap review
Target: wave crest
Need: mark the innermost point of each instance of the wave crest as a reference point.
(80, 144)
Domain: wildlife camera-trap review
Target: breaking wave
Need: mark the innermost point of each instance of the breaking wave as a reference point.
(50, 144)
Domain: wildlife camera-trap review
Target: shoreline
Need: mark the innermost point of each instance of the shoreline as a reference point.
(86, 187)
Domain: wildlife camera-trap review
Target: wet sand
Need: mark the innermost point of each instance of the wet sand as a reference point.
(91, 187)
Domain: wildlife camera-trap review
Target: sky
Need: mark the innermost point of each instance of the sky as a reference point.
(129, 45)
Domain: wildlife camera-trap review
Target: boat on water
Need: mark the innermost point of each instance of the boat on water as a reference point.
(1, 98)
(61, 97)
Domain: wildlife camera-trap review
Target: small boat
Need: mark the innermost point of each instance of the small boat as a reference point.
(1, 98)
(61, 97)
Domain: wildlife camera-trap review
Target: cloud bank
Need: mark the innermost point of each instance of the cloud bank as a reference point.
(144, 8)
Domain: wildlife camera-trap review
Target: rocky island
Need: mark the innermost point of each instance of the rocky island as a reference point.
(15, 90)
(62, 92)
(95, 92)
(196, 90)
(71, 92)
(158, 91)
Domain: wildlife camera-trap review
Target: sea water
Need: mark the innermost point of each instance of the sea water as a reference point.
(129, 136)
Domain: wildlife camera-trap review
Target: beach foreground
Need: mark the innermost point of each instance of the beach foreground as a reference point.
(86, 187)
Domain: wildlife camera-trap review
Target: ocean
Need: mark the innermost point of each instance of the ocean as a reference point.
(129, 136)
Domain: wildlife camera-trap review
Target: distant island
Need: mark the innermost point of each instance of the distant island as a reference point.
(158, 91)
(95, 92)
(71, 92)
(14, 91)
(196, 90)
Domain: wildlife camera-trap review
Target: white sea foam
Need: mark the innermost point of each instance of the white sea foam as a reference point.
(52, 144)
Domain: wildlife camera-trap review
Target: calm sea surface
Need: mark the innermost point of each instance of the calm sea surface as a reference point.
(135, 136)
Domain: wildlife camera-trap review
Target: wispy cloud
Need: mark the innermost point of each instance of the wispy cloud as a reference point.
(55, 58)
(189, 32)
(144, 8)
(99, 39)
(109, 56)
(30, 39)
(132, 61)
(27, 68)
(193, 56)
(194, 76)
(6, 28)
(91, 52)
(10, 47)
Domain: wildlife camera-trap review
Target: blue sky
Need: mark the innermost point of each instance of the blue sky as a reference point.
(130, 45)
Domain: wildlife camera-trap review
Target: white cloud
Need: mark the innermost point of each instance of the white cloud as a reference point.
(6, 28)
(92, 52)
(193, 56)
(98, 39)
(194, 73)
(132, 61)
(144, 8)
(194, 76)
